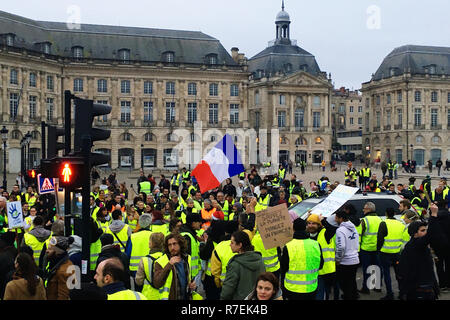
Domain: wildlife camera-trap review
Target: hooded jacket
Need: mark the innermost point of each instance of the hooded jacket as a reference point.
(242, 271)
(40, 233)
(347, 244)
(117, 225)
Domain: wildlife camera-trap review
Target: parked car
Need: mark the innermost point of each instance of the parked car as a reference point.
(381, 200)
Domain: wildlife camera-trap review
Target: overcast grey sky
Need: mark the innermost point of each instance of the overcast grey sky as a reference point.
(349, 38)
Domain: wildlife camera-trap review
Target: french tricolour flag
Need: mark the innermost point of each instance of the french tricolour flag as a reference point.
(222, 162)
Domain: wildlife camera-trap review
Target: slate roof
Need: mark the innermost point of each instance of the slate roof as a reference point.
(414, 59)
(103, 41)
(277, 57)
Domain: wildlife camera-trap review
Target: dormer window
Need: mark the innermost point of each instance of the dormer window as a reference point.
(433, 69)
(10, 40)
(211, 59)
(124, 55)
(392, 72)
(77, 52)
(46, 48)
(304, 67)
(169, 56)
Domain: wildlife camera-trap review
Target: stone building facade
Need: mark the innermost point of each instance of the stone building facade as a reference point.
(407, 106)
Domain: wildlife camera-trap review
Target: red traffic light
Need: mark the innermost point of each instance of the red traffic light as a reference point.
(32, 173)
(66, 172)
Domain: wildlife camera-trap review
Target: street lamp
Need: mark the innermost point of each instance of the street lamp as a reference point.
(4, 133)
(22, 156)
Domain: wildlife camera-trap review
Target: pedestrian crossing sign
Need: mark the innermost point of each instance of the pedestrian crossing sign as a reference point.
(46, 185)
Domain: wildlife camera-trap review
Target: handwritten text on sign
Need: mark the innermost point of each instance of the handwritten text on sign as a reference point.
(275, 226)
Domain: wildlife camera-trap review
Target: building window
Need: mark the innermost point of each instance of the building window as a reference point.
(388, 98)
(299, 118)
(125, 111)
(213, 138)
(50, 109)
(342, 108)
(13, 105)
(33, 79)
(234, 90)
(378, 100)
(388, 117)
(399, 96)
(148, 87)
(234, 113)
(148, 137)
(10, 40)
(214, 89)
(169, 57)
(360, 109)
(318, 140)
(124, 55)
(148, 111)
(281, 119)
(211, 59)
(102, 118)
(125, 86)
(434, 96)
(46, 48)
(434, 117)
(448, 117)
(257, 98)
(50, 83)
(78, 85)
(351, 120)
(192, 112)
(360, 121)
(170, 112)
(32, 105)
(417, 96)
(419, 139)
(399, 117)
(417, 116)
(448, 97)
(282, 99)
(378, 119)
(192, 89)
(170, 88)
(126, 136)
(13, 77)
(351, 109)
(316, 101)
(77, 52)
(213, 113)
(367, 102)
(102, 85)
(316, 119)
(436, 140)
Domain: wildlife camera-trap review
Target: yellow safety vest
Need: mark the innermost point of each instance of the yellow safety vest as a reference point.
(328, 253)
(263, 204)
(148, 290)
(31, 200)
(140, 248)
(281, 173)
(35, 245)
(146, 187)
(164, 291)
(304, 263)
(224, 253)
(394, 239)
(175, 180)
(127, 295)
(195, 254)
(208, 268)
(163, 228)
(369, 237)
(96, 248)
(122, 235)
(270, 256)
(444, 194)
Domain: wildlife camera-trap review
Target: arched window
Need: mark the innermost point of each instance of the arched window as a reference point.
(301, 141)
(148, 137)
(77, 52)
(211, 59)
(169, 56)
(124, 55)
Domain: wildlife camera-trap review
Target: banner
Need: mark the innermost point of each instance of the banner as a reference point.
(334, 201)
(15, 214)
(275, 226)
(45, 185)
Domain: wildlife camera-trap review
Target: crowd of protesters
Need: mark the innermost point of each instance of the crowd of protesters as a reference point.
(166, 240)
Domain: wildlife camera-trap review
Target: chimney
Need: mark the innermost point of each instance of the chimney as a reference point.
(235, 54)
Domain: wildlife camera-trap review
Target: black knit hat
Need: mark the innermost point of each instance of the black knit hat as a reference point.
(299, 224)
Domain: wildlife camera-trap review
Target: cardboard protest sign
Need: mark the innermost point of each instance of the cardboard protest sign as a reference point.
(275, 226)
(15, 215)
(334, 201)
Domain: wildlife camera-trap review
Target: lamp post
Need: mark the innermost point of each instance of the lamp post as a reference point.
(411, 151)
(4, 133)
(22, 156)
(28, 141)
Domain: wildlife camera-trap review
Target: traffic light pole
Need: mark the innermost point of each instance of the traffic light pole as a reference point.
(85, 209)
(67, 147)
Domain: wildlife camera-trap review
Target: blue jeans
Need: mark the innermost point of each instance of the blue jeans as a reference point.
(386, 261)
(368, 258)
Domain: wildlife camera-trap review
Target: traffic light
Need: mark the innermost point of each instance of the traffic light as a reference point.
(85, 112)
(32, 173)
(71, 171)
(53, 146)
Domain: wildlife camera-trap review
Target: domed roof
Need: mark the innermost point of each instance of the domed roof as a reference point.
(283, 16)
